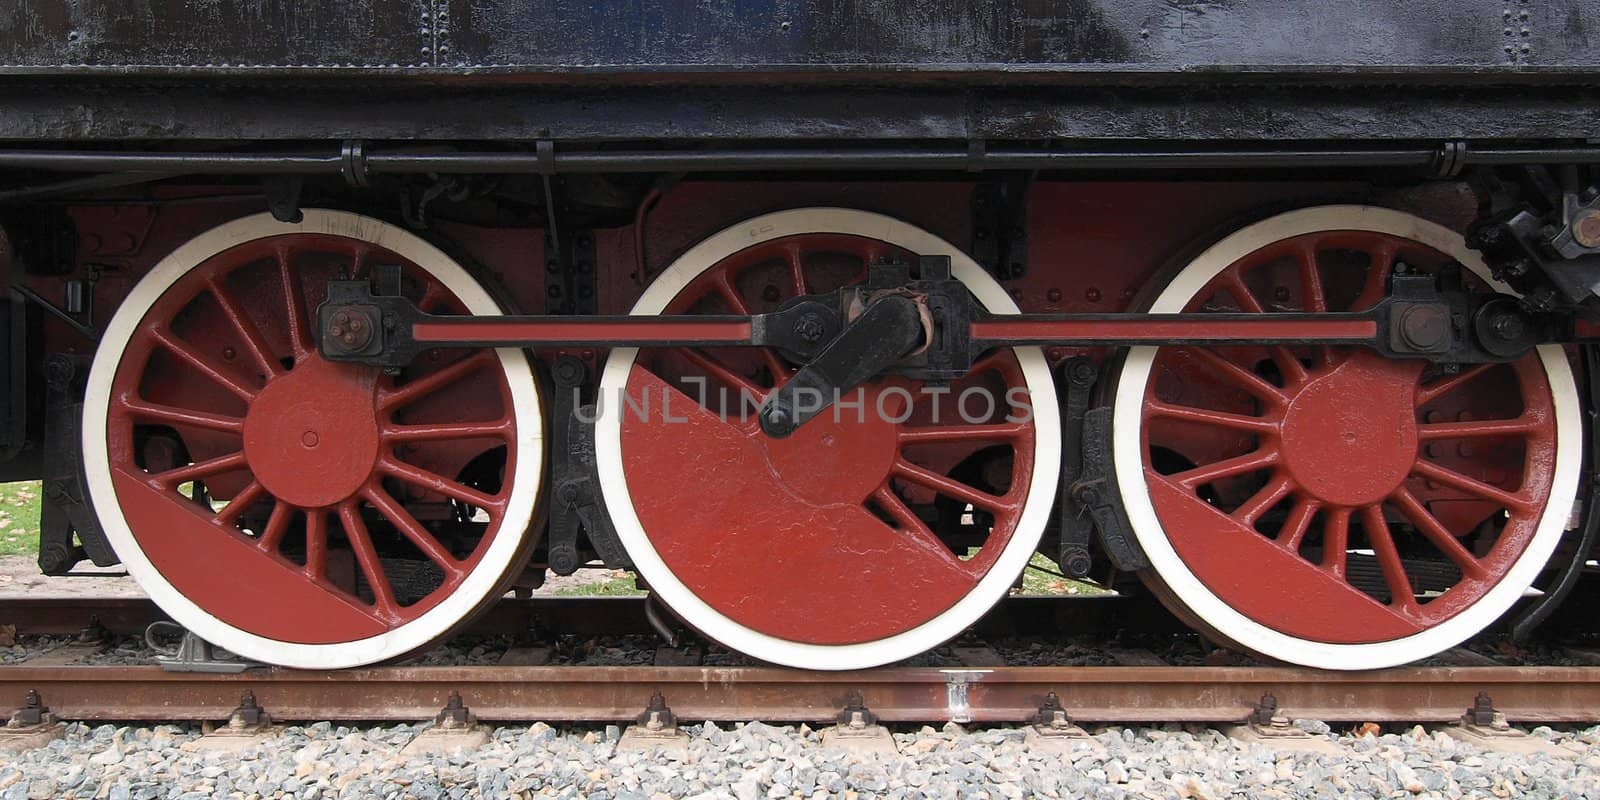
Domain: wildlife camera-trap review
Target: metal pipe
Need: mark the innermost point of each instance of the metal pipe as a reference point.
(172, 163)
(902, 158)
(936, 158)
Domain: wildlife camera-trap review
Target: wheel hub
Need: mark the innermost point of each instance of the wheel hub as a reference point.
(1350, 435)
(311, 436)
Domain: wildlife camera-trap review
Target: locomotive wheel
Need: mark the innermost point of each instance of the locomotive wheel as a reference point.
(1327, 506)
(293, 510)
(866, 537)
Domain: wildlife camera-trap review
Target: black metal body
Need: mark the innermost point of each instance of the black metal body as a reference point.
(992, 70)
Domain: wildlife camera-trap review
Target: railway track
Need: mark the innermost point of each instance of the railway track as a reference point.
(989, 694)
(1527, 695)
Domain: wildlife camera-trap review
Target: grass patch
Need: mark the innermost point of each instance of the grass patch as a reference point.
(19, 518)
(620, 586)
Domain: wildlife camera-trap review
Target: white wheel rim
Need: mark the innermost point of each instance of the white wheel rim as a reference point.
(1186, 587)
(449, 612)
(694, 611)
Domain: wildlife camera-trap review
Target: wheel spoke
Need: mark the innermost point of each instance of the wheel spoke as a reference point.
(992, 432)
(1316, 300)
(722, 373)
(1253, 461)
(949, 487)
(241, 502)
(1434, 531)
(797, 268)
(1487, 428)
(1394, 570)
(316, 544)
(1205, 416)
(277, 526)
(1263, 500)
(300, 337)
(1336, 540)
(1449, 477)
(449, 431)
(1315, 296)
(917, 531)
(434, 381)
(1293, 371)
(247, 329)
(201, 469)
(360, 539)
(730, 295)
(172, 415)
(1298, 523)
(200, 363)
(431, 298)
(437, 483)
(1382, 262)
(1256, 385)
(1437, 389)
(409, 527)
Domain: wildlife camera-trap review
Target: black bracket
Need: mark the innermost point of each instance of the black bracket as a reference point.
(1078, 376)
(283, 196)
(1096, 491)
(1000, 226)
(579, 508)
(69, 530)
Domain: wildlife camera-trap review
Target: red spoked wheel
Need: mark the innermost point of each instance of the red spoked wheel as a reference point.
(1325, 505)
(880, 528)
(290, 509)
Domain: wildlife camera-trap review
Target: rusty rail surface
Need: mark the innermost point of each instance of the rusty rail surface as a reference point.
(1002, 694)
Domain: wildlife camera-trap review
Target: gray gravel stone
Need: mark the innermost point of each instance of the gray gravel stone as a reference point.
(766, 762)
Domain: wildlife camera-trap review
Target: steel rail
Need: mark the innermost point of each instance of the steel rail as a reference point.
(999, 695)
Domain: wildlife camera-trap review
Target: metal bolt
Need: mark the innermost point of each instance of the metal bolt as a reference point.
(810, 328)
(657, 716)
(1266, 712)
(33, 712)
(455, 713)
(249, 714)
(351, 329)
(568, 371)
(1482, 711)
(1081, 372)
(1424, 327)
(776, 418)
(1586, 229)
(855, 714)
(1509, 327)
(1051, 714)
